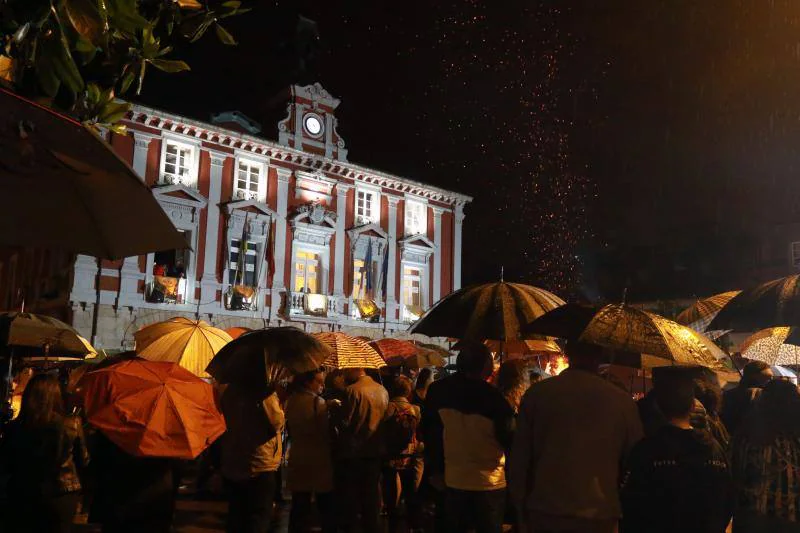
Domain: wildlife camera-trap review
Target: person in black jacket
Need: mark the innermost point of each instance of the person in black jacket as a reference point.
(42, 454)
(677, 479)
(468, 428)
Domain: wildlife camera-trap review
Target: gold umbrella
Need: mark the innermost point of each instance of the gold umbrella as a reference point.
(349, 352)
(621, 327)
(769, 345)
(191, 344)
(699, 315)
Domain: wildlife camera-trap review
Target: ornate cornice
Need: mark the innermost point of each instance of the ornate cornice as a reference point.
(209, 133)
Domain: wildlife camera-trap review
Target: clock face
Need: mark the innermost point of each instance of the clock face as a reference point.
(313, 124)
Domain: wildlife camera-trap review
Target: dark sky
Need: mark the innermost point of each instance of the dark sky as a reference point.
(674, 125)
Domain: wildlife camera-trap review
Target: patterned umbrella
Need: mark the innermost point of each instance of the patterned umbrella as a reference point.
(349, 352)
(191, 344)
(770, 345)
(621, 327)
(488, 311)
(700, 315)
(771, 304)
(394, 348)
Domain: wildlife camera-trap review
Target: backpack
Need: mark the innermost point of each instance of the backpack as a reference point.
(401, 431)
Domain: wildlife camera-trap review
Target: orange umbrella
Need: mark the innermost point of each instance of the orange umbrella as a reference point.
(394, 348)
(237, 332)
(152, 409)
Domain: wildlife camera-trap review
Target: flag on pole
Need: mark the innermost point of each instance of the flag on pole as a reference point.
(241, 266)
(384, 271)
(270, 252)
(368, 268)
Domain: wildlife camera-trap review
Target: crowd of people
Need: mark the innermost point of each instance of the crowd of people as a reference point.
(471, 451)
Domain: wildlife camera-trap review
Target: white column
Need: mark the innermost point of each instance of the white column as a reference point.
(459, 220)
(340, 274)
(278, 282)
(209, 284)
(129, 274)
(437, 253)
(391, 269)
(141, 145)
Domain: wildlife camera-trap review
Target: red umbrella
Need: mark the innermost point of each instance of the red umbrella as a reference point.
(237, 332)
(394, 348)
(152, 409)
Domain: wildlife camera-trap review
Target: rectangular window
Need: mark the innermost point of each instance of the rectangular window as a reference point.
(412, 288)
(169, 274)
(416, 218)
(366, 207)
(178, 163)
(243, 268)
(796, 254)
(248, 179)
(306, 272)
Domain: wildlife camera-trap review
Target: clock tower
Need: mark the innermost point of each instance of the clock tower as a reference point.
(311, 124)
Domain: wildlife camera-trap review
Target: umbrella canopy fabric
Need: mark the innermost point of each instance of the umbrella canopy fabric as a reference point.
(262, 357)
(770, 346)
(521, 347)
(622, 327)
(40, 334)
(191, 344)
(700, 315)
(237, 332)
(771, 304)
(434, 347)
(152, 409)
(90, 200)
(488, 311)
(349, 352)
(394, 348)
(783, 372)
(422, 359)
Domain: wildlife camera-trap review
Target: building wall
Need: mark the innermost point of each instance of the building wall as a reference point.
(205, 206)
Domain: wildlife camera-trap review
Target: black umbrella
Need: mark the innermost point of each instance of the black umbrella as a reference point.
(771, 304)
(261, 358)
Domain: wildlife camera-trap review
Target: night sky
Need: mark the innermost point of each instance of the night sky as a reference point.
(639, 144)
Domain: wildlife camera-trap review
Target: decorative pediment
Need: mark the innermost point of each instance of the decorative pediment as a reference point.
(253, 207)
(314, 214)
(180, 194)
(417, 240)
(367, 230)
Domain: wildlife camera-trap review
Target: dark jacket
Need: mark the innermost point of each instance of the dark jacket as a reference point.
(44, 461)
(736, 403)
(468, 426)
(363, 411)
(677, 480)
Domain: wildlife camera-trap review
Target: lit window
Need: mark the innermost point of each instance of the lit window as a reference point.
(416, 218)
(358, 278)
(360, 289)
(306, 272)
(796, 254)
(178, 163)
(243, 267)
(412, 283)
(366, 207)
(248, 179)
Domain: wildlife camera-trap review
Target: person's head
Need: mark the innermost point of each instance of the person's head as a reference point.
(756, 374)
(334, 381)
(42, 401)
(474, 360)
(777, 413)
(400, 387)
(709, 395)
(513, 380)
(313, 381)
(584, 356)
(424, 379)
(351, 375)
(675, 396)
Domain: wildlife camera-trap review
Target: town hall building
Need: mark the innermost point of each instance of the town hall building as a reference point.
(278, 233)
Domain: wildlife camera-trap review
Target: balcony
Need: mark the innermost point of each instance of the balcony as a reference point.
(166, 290)
(313, 305)
(241, 298)
(172, 179)
(241, 194)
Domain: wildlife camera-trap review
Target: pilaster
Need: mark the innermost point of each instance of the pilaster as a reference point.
(278, 280)
(459, 221)
(339, 274)
(209, 283)
(141, 145)
(391, 269)
(437, 253)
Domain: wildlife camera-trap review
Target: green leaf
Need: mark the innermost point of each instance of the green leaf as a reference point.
(142, 69)
(224, 36)
(233, 4)
(92, 94)
(241, 11)
(125, 16)
(119, 129)
(190, 4)
(113, 112)
(127, 80)
(169, 65)
(84, 15)
(55, 63)
(150, 45)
